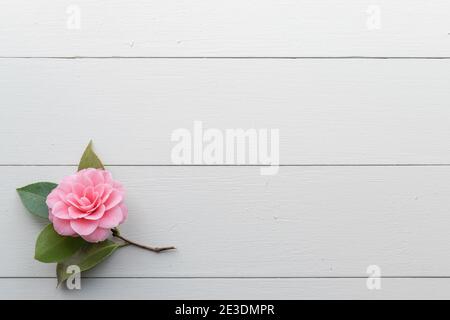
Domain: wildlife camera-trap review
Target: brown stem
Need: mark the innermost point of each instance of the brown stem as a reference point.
(117, 234)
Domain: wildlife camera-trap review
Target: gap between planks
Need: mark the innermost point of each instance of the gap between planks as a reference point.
(232, 278)
(236, 57)
(245, 165)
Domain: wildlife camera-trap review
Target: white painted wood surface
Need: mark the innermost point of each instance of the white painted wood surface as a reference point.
(363, 141)
(233, 222)
(249, 289)
(327, 111)
(306, 222)
(225, 28)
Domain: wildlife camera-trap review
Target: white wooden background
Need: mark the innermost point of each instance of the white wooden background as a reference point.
(364, 119)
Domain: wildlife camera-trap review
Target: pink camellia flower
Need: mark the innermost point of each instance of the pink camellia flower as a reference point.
(89, 204)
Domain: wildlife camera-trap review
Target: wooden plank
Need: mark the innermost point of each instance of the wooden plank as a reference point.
(225, 28)
(233, 222)
(327, 111)
(229, 289)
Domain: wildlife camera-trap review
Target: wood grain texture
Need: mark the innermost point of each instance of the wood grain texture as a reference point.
(327, 111)
(232, 222)
(224, 28)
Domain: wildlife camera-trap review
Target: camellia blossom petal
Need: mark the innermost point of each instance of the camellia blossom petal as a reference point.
(88, 204)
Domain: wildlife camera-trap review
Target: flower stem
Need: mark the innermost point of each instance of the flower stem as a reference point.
(116, 233)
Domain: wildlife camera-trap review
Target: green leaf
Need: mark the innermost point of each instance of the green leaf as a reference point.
(86, 258)
(34, 195)
(52, 247)
(89, 159)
